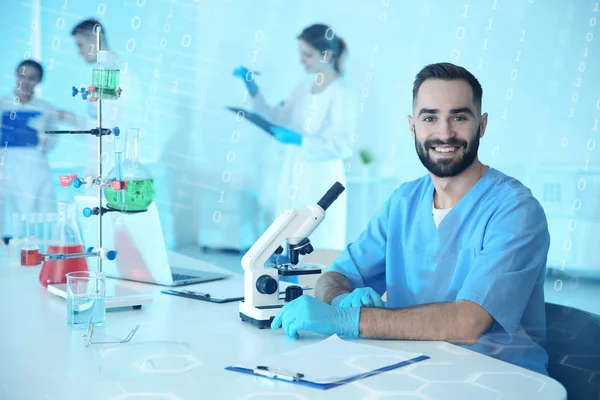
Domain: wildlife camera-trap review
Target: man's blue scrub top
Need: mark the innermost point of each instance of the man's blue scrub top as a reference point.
(490, 249)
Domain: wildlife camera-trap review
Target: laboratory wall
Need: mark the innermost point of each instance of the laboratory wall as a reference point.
(538, 62)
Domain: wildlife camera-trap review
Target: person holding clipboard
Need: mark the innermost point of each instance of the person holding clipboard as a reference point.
(26, 184)
(313, 132)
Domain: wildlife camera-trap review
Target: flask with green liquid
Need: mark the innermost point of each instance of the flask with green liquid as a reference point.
(105, 77)
(139, 183)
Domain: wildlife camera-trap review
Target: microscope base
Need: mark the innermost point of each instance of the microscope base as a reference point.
(257, 323)
(259, 317)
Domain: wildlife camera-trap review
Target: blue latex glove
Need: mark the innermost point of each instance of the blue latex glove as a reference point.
(308, 313)
(287, 136)
(248, 78)
(361, 297)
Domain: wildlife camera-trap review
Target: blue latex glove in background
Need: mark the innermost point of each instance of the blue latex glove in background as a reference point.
(248, 78)
(308, 313)
(287, 136)
(361, 297)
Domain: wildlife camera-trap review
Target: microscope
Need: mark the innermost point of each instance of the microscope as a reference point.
(261, 282)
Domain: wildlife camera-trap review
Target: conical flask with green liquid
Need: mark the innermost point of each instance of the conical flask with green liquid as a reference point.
(139, 187)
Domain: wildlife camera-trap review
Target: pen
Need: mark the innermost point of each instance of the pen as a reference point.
(198, 294)
(266, 371)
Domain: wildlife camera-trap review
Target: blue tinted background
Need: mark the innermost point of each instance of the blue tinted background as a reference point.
(537, 61)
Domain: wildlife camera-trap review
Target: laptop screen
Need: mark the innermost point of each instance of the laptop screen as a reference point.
(137, 238)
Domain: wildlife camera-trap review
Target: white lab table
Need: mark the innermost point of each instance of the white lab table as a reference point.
(43, 359)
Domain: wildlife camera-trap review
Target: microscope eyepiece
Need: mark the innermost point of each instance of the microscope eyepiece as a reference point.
(331, 195)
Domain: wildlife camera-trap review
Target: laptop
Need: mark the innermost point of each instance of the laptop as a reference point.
(141, 252)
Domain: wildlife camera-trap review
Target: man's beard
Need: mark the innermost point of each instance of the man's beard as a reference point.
(446, 168)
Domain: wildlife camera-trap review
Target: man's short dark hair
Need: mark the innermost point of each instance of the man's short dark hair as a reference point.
(88, 27)
(31, 64)
(448, 72)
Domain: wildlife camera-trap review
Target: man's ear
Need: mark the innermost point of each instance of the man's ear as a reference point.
(411, 125)
(483, 124)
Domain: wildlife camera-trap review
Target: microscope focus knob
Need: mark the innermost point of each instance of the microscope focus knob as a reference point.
(293, 292)
(266, 285)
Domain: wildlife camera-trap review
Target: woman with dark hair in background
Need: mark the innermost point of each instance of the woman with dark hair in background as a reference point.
(316, 124)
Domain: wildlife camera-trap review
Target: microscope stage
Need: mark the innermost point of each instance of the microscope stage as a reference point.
(298, 269)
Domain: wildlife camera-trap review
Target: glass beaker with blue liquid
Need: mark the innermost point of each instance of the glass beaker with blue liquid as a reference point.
(86, 299)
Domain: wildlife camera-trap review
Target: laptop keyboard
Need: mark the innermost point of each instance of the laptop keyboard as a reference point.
(182, 277)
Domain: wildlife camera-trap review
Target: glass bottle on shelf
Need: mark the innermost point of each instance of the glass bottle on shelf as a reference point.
(105, 77)
(66, 239)
(139, 190)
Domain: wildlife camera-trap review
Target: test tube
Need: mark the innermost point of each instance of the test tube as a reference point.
(119, 167)
(16, 225)
(20, 225)
(39, 226)
(48, 230)
(31, 229)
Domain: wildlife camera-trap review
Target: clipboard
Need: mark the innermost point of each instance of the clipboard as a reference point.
(298, 378)
(200, 296)
(212, 298)
(255, 119)
(15, 132)
(324, 365)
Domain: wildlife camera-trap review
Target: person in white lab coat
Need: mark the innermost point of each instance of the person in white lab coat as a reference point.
(316, 122)
(26, 184)
(113, 111)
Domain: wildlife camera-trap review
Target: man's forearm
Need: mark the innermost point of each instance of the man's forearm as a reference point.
(330, 285)
(458, 322)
